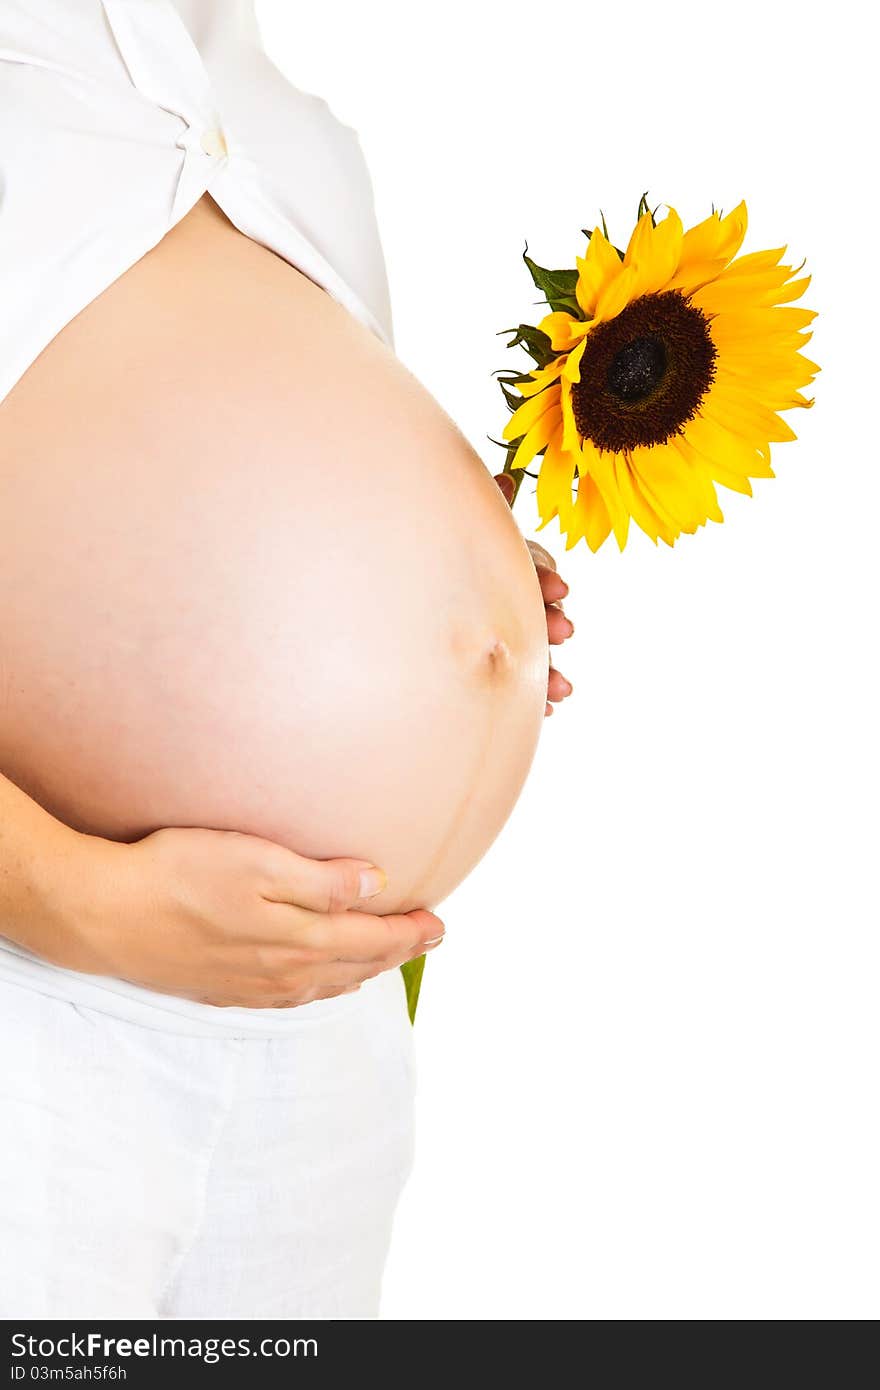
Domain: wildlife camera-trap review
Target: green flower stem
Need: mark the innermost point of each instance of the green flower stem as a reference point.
(412, 972)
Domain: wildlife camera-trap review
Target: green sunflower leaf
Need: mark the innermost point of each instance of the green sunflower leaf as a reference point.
(557, 286)
(511, 446)
(536, 343)
(412, 972)
(513, 400)
(511, 377)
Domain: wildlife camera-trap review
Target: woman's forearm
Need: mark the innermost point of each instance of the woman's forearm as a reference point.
(37, 855)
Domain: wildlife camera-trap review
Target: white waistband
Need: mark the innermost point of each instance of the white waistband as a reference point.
(169, 1014)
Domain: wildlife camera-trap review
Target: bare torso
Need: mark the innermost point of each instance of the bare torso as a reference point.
(253, 577)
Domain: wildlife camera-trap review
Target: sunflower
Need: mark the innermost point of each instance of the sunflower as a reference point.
(659, 372)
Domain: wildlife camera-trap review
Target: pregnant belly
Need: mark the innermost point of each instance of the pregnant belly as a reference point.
(252, 577)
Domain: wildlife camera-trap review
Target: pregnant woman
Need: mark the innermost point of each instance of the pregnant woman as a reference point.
(273, 664)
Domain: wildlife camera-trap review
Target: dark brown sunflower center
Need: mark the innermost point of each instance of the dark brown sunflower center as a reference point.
(637, 369)
(644, 373)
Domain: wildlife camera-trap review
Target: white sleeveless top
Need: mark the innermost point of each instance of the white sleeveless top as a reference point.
(117, 115)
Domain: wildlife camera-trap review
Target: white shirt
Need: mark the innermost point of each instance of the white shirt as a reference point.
(117, 115)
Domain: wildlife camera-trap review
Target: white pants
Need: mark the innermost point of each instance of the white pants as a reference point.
(152, 1173)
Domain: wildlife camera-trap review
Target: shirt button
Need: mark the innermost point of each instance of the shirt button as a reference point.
(213, 142)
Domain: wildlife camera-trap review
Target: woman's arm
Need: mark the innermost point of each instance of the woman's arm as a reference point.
(35, 857)
(212, 915)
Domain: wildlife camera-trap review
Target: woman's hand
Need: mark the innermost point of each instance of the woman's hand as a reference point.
(230, 919)
(553, 589)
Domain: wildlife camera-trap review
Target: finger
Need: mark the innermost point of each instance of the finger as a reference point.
(316, 992)
(548, 709)
(507, 486)
(287, 982)
(321, 885)
(326, 980)
(559, 628)
(558, 687)
(247, 1001)
(553, 586)
(361, 938)
(296, 993)
(541, 556)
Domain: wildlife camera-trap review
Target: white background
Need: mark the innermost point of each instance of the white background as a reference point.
(648, 1082)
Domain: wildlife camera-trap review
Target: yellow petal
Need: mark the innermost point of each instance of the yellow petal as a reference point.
(762, 321)
(571, 440)
(615, 295)
(749, 294)
(708, 247)
(572, 369)
(665, 517)
(756, 260)
(740, 332)
(639, 248)
(718, 446)
(643, 514)
(555, 479)
(794, 290)
(589, 516)
(735, 481)
(600, 264)
(746, 418)
(770, 392)
(532, 409)
(656, 255)
(562, 329)
(766, 367)
(601, 467)
(680, 492)
(538, 437)
(541, 378)
(741, 292)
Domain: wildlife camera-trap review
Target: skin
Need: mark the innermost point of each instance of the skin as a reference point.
(553, 590)
(269, 918)
(233, 919)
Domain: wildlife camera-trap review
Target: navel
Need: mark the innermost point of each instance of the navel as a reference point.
(498, 658)
(481, 654)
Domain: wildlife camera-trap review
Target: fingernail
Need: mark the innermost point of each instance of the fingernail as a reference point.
(565, 587)
(372, 881)
(435, 941)
(568, 686)
(570, 625)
